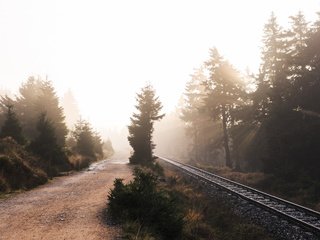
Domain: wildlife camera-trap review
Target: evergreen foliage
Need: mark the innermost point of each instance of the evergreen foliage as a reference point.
(46, 135)
(141, 201)
(12, 127)
(38, 96)
(141, 127)
(38, 122)
(88, 142)
(198, 121)
(275, 126)
(225, 92)
(45, 145)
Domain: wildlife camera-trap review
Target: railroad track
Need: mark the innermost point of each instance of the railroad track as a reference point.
(305, 218)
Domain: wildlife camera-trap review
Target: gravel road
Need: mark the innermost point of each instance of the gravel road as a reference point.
(68, 207)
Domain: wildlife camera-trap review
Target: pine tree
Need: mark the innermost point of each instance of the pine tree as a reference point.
(272, 83)
(224, 92)
(46, 146)
(198, 124)
(38, 96)
(12, 126)
(298, 36)
(98, 145)
(85, 140)
(290, 73)
(141, 127)
(48, 102)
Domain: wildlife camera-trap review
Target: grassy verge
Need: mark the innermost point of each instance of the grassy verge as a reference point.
(18, 168)
(21, 170)
(299, 189)
(174, 209)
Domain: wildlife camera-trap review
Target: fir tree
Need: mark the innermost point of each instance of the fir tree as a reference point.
(45, 145)
(224, 94)
(141, 127)
(12, 127)
(198, 122)
(38, 96)
(85, 139)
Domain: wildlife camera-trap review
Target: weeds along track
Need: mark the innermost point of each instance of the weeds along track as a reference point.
(306, 219)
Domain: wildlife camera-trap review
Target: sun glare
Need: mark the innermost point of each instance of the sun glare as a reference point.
(105, 51)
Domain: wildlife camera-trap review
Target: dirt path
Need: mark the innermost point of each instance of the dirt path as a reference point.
(69, 207)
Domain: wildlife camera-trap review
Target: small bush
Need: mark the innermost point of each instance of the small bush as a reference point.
(142, 202)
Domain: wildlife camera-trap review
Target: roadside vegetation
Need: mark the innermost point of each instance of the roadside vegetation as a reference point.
(170, 207)
(19, 169)
(302, 190)
(145, 209)
(35, 142)
(159, 204)
(263, 128)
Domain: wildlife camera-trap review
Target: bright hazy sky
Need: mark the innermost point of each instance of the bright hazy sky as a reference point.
(105, 51)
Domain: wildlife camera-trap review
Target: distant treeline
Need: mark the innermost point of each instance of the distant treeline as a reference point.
(268, 121)
(35, 120)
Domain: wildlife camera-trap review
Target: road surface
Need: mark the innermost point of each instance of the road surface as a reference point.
(68, 207)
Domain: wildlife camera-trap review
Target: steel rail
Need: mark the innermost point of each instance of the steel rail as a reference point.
(305, 218)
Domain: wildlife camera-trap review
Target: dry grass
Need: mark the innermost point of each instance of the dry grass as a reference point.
(79, 162)
(302, 191)
(18, 168)
(207, 218)
(247, 178)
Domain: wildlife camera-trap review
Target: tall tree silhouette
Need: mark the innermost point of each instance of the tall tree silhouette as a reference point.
(12, 126)
(224, 91)
(46, 146)
(271, 81)
(85, 138)
(198, 124)
(141, 127)
(298, 36)
(38, 96)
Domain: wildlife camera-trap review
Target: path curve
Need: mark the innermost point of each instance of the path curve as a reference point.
(68, 207)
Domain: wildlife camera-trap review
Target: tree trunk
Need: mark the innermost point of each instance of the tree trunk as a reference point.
(196, 144)
(225, 136)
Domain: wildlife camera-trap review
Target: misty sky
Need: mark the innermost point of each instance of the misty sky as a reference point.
(105, 51)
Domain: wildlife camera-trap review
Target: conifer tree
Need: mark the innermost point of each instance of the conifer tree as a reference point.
(85, 139)
(141, 127)
(224, 92)
(12, 126)
(197, 121)
(46, 146)
(38, 96)
(271, 81)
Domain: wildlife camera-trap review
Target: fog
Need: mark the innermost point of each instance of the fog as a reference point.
(170, 137)
(103, 52)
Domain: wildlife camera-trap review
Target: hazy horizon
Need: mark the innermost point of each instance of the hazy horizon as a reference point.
(105, 51)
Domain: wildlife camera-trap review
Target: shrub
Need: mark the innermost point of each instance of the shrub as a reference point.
(142, 202)
(18, 168)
